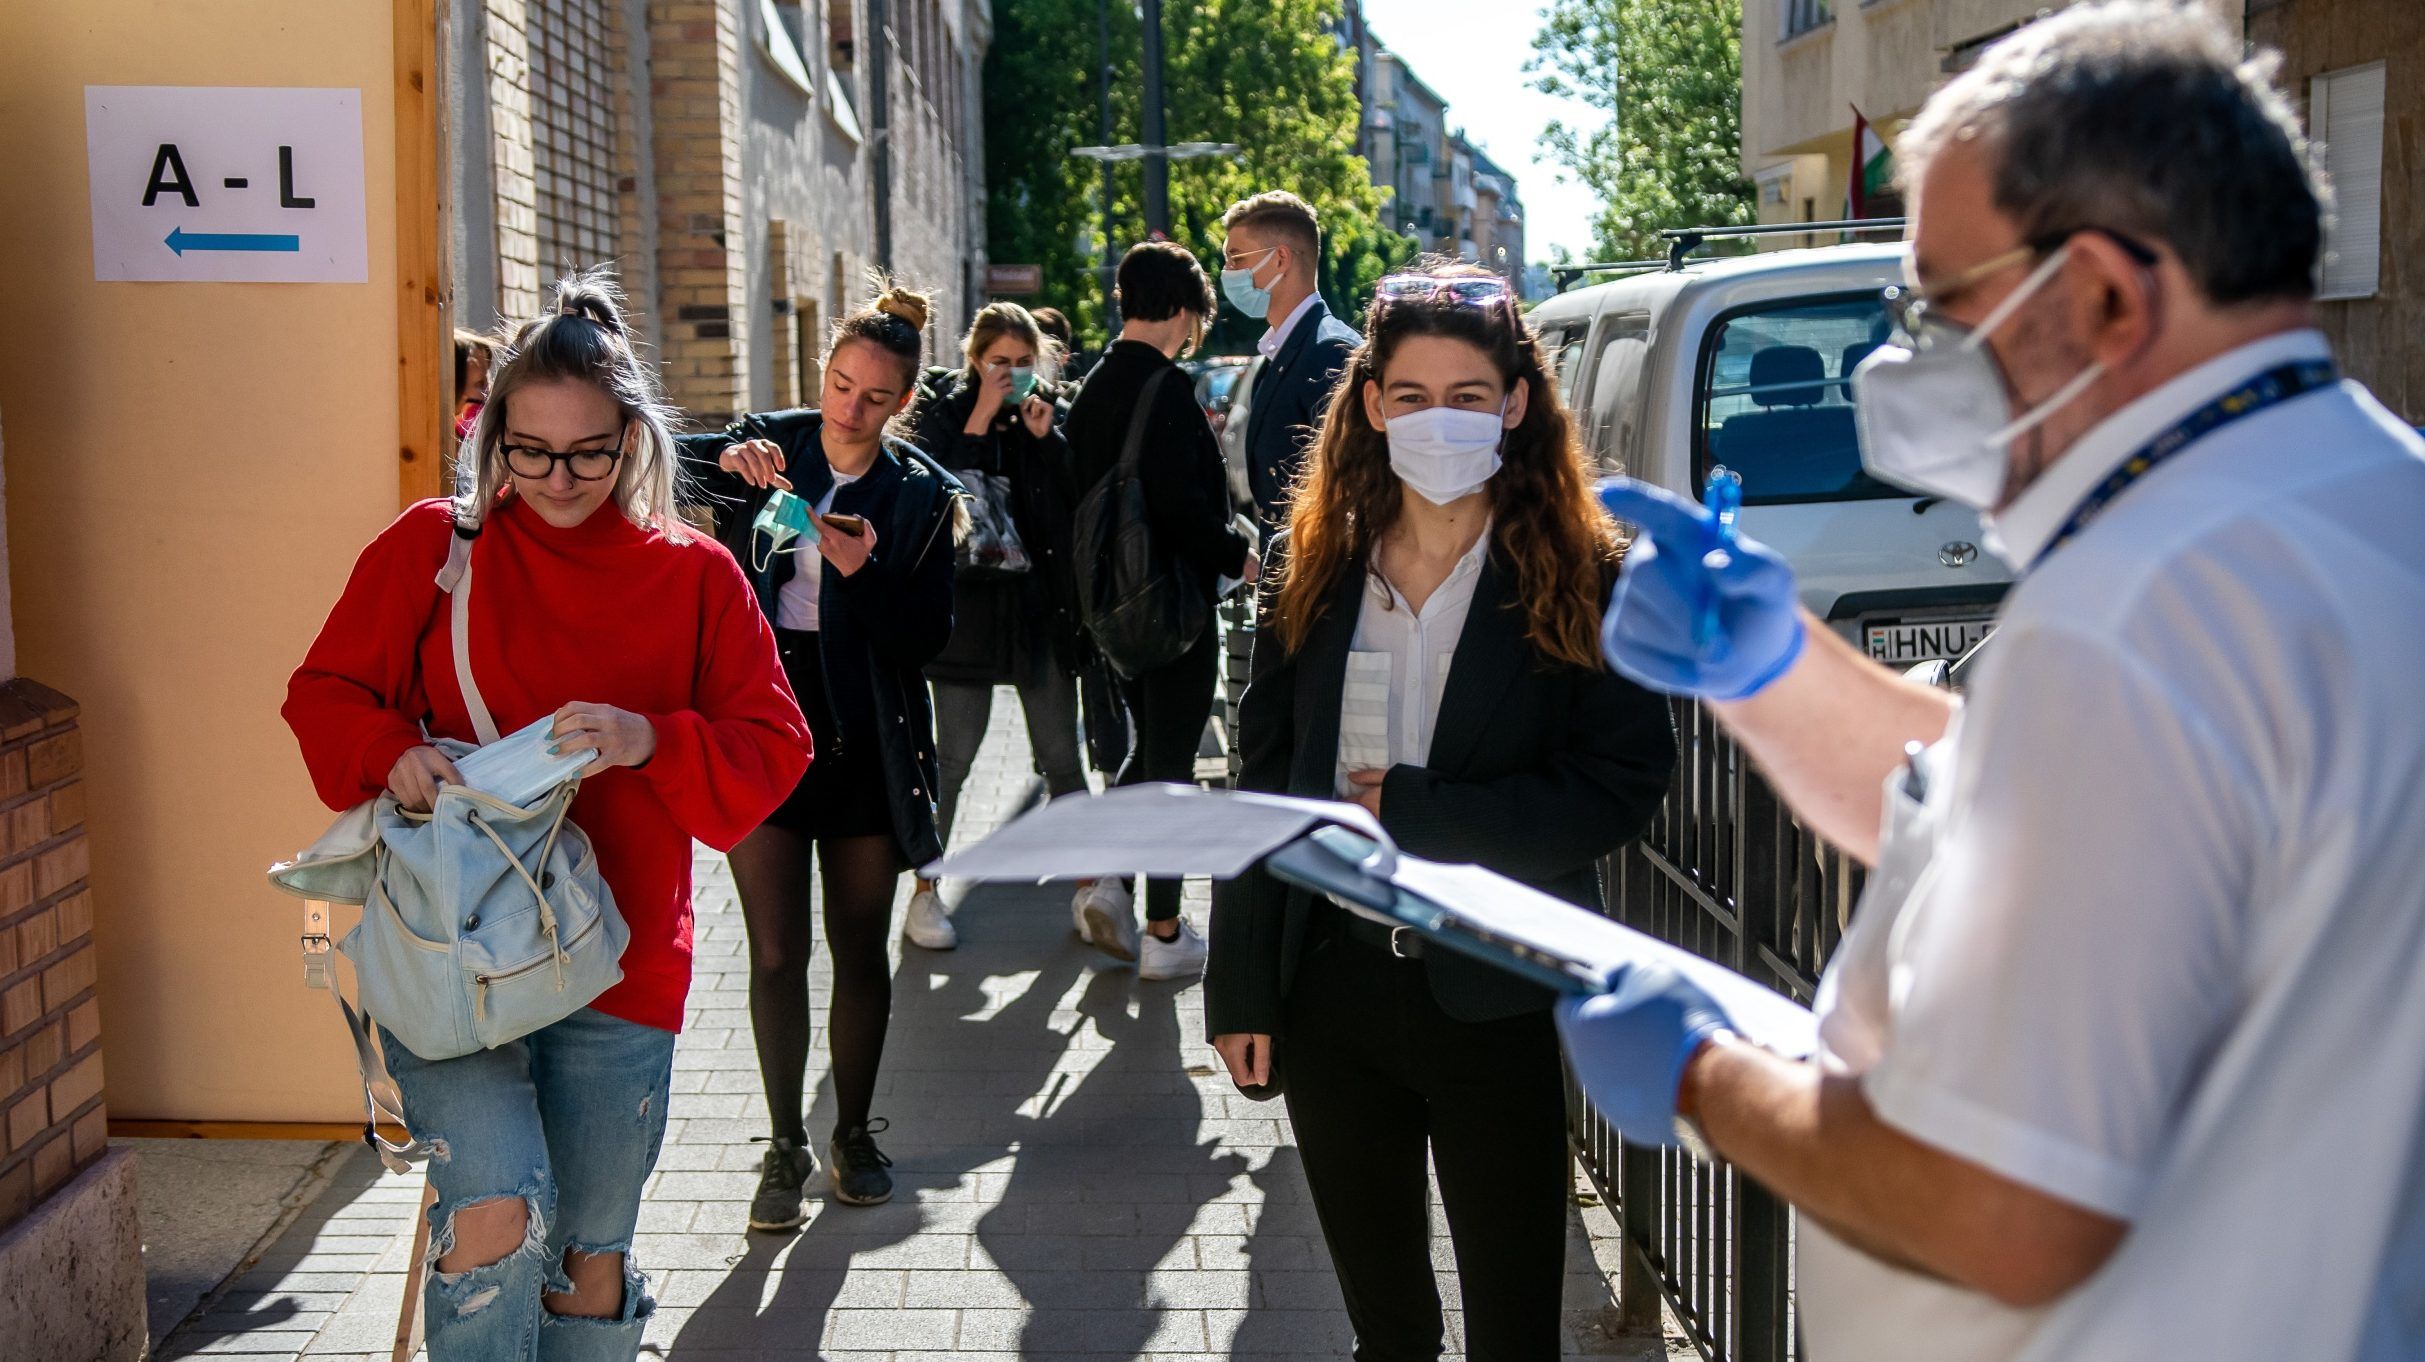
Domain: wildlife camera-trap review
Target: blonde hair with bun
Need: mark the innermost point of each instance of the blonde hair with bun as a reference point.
(894, 322)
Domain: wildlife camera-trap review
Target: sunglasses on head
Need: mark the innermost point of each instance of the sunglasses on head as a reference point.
(1471, 290)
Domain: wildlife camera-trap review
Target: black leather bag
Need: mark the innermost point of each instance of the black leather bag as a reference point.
(1141, 605)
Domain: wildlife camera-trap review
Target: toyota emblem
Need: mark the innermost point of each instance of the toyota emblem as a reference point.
(1959, 553)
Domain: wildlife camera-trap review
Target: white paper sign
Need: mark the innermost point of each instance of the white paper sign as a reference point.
(193, 183)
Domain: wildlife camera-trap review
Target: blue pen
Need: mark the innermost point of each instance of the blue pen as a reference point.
(1722, 497)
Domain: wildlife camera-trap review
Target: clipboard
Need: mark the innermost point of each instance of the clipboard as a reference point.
(1340, 850)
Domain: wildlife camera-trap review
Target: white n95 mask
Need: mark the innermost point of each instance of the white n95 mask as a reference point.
(1936, 420)
(1443, 452)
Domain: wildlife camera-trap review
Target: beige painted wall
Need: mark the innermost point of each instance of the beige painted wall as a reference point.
(1884, 55)
(191, 469)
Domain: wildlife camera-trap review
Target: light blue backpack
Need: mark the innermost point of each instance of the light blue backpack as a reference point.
(481, 921)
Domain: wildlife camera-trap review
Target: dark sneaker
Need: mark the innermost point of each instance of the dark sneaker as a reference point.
(857, 1166)
(779, 1205)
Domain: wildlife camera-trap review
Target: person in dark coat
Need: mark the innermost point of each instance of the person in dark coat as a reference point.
(1271, 256)
(1165, 301)
(1429, 648)
(847, 534)
(993, 423)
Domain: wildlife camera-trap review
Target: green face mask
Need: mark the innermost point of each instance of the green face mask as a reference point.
(781, 520)
(1022, 383)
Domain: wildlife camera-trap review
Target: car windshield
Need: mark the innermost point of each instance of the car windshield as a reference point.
(1776, 399)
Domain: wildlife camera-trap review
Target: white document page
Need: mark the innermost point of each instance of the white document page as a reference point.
(1164, 830)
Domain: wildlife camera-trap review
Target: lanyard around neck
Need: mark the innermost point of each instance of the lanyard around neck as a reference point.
(2275, 385)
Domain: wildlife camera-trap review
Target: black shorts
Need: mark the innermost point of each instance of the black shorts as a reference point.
(843, 794)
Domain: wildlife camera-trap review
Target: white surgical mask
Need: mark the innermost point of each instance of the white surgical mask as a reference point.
(517, 768)
(1445, 452)
(1937, 421)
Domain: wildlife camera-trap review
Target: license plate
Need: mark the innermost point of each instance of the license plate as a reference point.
(1899, 643)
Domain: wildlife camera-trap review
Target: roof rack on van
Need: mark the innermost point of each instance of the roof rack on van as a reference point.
(1683, 241)
(1567, 275)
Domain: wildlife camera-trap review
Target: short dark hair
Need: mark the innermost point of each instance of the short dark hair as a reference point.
(1278, 214)
(1160, 279)
(2142, 118)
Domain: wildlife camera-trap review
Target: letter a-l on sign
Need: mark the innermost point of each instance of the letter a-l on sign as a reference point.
(201, 183)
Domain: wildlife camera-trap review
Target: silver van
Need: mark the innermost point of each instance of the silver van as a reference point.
(1746, 361)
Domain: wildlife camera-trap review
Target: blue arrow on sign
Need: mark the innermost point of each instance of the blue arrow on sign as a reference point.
(181, 241)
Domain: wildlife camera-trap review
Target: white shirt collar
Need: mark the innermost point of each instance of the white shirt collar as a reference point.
(1468, 567)
(2022, 530)
(1277, 336)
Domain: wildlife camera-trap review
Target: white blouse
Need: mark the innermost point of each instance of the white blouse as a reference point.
(1397, 668)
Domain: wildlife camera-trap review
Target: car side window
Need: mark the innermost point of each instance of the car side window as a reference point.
(1616, 389)
(1775, 398)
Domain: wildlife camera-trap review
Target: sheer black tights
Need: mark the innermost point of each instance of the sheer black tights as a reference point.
(771, 868)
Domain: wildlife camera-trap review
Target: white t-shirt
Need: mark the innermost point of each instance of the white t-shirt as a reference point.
(2155, 942)
(796, 601)
(1397, 668)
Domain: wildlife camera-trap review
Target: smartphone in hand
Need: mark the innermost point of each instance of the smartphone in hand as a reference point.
(853, 525)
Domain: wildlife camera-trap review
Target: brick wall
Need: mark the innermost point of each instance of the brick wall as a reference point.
(702, 270)
(51, 1118)
(509, 103)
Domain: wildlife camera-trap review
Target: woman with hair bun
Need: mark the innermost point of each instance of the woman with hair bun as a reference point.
(1430, 648)
(598, 605)
(847, 534)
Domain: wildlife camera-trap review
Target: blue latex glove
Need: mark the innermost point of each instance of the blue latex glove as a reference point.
(1629, 1047)
(1696, 612)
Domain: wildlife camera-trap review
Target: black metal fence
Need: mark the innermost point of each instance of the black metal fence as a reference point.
(1725, 871)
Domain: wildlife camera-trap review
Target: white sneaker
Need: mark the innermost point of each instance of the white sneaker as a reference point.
(1181, 957)
(927, 924)
(1107, 918)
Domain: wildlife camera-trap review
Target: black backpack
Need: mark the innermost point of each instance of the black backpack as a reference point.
(1142, 607)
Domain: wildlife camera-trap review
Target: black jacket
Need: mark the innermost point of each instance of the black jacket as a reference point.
(1186, 484)
(1537, 770)
(998, 623)
(1286, 406)
(878, 626)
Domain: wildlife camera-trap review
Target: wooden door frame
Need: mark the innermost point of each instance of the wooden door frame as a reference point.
(424, 269)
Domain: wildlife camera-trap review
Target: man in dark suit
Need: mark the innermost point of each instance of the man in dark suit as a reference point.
(1271, 255)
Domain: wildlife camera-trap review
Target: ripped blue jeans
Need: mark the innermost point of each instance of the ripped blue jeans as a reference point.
(569, 1119)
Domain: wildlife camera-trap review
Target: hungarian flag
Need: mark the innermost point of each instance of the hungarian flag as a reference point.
(1871, 183)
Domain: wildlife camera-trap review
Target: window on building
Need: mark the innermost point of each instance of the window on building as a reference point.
(1775, 399)
(1801, 16)
(572, 132)
(810, 349)
(2345, 113)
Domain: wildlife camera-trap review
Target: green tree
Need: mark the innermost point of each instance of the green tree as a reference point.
(1265, 74)
(1669, 76)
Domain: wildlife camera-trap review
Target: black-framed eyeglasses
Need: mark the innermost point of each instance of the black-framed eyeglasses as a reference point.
(1471, 290)
(586, 465)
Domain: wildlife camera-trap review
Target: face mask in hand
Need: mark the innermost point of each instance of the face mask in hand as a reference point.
(1443, 452)
(1022, 383)
(781, 520)
(1936, 419)
(517, 768)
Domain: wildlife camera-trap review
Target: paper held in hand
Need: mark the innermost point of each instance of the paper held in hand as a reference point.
(1340, 850)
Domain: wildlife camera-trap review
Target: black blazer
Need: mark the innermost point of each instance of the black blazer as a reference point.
(879, 626)
(1287, 403)
(1537, 770)
(1000, 623)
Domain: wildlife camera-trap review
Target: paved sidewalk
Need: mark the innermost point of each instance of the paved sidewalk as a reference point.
(1075, 1179)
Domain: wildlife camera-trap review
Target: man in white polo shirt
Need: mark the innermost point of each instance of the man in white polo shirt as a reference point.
(2123, 1055)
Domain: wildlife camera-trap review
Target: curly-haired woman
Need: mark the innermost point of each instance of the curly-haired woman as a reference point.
(1430, 649)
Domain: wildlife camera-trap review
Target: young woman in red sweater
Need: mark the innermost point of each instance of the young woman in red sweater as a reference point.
(596, 605)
